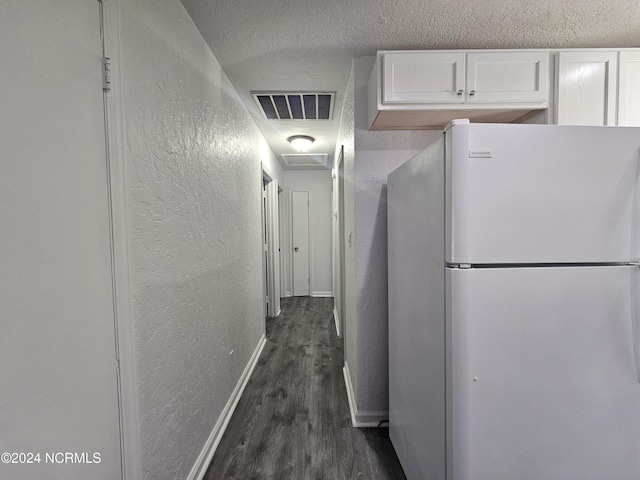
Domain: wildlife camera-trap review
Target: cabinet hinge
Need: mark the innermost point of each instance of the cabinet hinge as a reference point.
(106, 74)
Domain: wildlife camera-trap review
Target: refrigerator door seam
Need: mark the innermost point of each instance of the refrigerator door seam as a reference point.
(541, 265)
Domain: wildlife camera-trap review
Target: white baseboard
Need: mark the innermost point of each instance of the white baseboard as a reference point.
(370, 418)
(202, 463)
(322, 294)
(362, 418)
(336, 320)
(350, 394)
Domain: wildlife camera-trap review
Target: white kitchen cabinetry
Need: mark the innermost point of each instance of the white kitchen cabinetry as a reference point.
(629, 89)
(510, 77)
(586, 87)
(420, 89)
(422, 77)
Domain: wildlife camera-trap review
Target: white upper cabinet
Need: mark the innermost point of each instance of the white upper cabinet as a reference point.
(422, 77)
(629, 89)
(458, 77)
(507, 77)
(587, 87)
(426, 89)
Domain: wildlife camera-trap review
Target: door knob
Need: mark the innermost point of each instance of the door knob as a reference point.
(295, 249)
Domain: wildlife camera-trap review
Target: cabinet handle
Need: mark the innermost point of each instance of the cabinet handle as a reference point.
(460, 92)
(472, 93)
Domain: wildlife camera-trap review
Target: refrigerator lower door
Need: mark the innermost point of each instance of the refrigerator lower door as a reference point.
(541, 374)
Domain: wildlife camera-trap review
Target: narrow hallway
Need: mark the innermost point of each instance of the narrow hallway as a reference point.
(293, 419)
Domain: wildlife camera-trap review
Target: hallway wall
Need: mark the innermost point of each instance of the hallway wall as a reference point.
(346, 139)
(193, 177)
(377, 153)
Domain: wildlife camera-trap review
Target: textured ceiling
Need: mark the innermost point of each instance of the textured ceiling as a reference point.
(304, 45)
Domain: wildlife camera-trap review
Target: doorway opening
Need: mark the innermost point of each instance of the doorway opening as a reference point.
(270, 244)
(338, 242)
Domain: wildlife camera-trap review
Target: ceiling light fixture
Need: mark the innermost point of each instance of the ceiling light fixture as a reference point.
(302, 143)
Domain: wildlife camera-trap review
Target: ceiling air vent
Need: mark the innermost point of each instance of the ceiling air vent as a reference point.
(295, 106)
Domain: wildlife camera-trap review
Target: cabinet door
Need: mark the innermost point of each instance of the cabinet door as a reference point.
(587, 88)
(521, 77)
(421, 77)
(629, 97)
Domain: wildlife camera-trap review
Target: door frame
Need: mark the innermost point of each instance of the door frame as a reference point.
(125, 340)
(271, 257)
(338, 244)
(285, 238)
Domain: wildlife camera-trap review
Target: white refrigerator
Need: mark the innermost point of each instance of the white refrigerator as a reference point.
(514, 296)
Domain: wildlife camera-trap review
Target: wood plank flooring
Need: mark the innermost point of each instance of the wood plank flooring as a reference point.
(293, 419)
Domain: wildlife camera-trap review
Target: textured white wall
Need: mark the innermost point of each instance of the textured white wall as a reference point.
(377, 153)
(193, 178)
(346, 138)
(318, 184)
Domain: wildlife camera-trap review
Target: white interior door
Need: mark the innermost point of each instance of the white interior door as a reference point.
(300, 243)
(57, 348)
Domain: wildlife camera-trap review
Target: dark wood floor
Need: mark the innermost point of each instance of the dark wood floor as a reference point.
(293, 420)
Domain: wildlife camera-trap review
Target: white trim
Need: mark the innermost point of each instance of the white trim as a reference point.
(370, 418)
(311, 233)
(363, 418)
(336, 245)
(350, 393)
(272, 227)
(204, 459)
(274, 246)
(129, 426)
(334, 233)
(285, 249)
(322, 294)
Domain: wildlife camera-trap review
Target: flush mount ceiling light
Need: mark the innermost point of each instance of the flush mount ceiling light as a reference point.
(302, 143)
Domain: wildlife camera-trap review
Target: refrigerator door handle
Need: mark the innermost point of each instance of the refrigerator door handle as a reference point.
(635, 293)
(635, 325)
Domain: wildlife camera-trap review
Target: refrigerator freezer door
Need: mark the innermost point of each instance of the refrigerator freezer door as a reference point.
(541, 194)
(543, 381)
